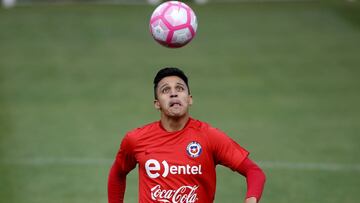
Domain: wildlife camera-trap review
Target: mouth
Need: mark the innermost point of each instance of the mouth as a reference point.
(175, 104)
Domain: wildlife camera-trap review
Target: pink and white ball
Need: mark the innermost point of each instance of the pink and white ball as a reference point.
(173, 24)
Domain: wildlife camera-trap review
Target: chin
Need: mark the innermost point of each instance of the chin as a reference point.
(176, 114)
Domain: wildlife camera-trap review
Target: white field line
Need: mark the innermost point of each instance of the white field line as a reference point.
(276, 165)
(57, 161)
(309, 166)
(130, 2)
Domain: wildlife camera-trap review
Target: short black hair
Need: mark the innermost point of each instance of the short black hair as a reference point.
(169, 71)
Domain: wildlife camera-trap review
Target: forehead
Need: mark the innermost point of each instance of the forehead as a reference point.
(171, 80)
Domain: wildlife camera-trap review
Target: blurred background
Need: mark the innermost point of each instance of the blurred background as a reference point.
(281, 77)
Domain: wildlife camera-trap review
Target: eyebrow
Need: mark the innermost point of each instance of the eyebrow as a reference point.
(163, 86)
(180, 84)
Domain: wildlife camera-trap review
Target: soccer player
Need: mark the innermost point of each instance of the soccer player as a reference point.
(177, 155)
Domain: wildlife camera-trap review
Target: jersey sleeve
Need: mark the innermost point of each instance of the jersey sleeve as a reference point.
(225, 150)
(125, 159)
(255, 178)
(123, 164)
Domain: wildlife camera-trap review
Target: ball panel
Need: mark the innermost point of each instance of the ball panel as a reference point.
(159, 30)
(176, 15)
(193, 21)
(181, 36)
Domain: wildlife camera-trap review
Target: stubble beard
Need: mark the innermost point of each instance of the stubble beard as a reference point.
(175, 113)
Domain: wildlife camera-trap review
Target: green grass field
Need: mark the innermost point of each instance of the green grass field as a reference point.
(282, 79)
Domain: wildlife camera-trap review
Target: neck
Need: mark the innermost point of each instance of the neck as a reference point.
(171, 124)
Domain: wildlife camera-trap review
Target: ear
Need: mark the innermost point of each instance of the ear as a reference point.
(190, 100)
(157, 104)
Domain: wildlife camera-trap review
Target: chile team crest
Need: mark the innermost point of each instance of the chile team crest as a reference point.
(194, 149)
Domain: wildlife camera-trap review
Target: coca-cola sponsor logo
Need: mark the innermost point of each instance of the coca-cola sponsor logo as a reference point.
(184, 194)
(153, 169)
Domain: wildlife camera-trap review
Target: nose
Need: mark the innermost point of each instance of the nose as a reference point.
(173, 94)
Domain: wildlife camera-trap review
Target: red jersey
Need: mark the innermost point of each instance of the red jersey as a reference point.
(178, 166)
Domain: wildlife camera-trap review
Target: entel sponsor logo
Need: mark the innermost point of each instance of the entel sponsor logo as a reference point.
(153, 168)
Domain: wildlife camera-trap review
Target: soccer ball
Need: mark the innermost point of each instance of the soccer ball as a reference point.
(173, 24)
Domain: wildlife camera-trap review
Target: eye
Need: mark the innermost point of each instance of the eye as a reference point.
(180, 88)
(165, 90)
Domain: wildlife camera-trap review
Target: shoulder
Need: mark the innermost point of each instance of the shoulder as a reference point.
(198, 124)
(206, 128)
(136, 133)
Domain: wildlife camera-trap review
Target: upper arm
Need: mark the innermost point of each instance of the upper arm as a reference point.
(125, 158)
(225, 150)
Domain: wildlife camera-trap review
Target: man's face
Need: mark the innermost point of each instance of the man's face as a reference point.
(173, 98)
